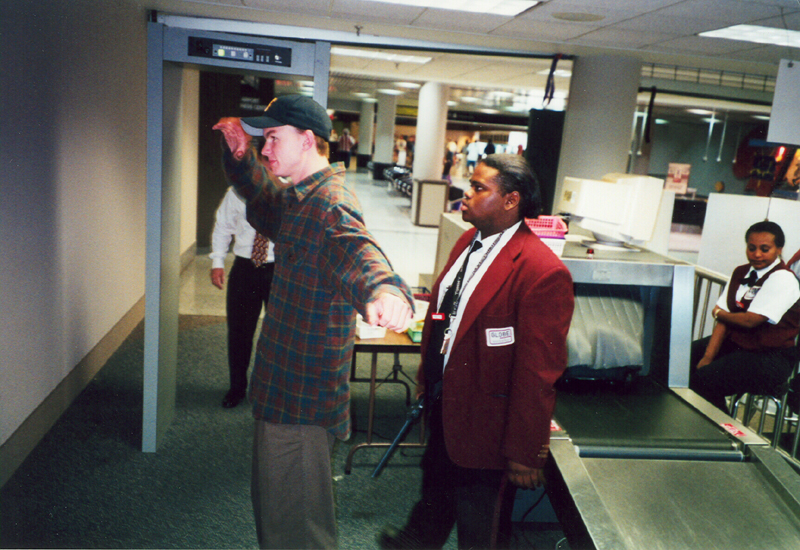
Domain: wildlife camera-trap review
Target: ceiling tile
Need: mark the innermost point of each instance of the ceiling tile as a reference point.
(459, 21)
(656, 22)
(710, 46)
(358, 10)
(617, 38)
(311, 7)
(540, 30)
(789, 21)
(727, 12)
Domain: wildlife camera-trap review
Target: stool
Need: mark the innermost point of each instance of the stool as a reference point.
(779, 398)
(792, 415)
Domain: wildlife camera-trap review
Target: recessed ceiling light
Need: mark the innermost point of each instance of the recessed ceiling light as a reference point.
(495, 7)
(702, 112)
(409, 85)
(361, 94)
(564, 73)
(761, 117)
(661, 121)
(578, 17)
(757, 34)
(383, 56)
(389, 91)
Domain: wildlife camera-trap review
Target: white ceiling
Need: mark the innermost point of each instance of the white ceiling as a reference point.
(660, 32)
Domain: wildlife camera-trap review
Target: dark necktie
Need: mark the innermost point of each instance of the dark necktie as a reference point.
(750, 280)
(434, 358)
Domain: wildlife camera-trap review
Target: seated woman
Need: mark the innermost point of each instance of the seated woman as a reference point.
(752, 347)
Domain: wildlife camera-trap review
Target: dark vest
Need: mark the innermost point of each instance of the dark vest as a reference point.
(765, 335)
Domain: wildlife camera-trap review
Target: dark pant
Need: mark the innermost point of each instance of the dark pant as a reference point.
(248, 290)
(478, 502)
(736, 371)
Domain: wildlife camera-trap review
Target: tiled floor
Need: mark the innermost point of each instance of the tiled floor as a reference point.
(411, 249)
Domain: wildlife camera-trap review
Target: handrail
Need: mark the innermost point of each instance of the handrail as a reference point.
(704, 281)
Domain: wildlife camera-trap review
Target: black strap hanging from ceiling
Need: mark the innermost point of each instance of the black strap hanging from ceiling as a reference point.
(550, 87)
(649, 120)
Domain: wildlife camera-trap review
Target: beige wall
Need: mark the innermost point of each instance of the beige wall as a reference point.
(73, 106)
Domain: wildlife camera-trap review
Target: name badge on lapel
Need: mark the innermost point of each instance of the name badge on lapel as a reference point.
(499, 337)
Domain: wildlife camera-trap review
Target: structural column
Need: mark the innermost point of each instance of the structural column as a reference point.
(597, 125)
(366, 133)
(431, 131)
(430, 194)
(384, 134)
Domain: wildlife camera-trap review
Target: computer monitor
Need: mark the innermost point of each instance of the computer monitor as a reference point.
(619, 209)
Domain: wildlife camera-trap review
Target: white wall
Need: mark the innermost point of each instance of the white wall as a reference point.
(73, 187)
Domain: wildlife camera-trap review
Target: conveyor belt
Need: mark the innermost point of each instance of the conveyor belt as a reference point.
(624, 504)
(640, 420)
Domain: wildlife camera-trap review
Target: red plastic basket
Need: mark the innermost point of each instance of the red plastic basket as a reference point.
(548, 226)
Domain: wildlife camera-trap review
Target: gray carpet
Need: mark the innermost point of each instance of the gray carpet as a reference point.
(87, 485)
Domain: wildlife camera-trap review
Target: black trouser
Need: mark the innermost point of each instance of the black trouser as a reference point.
(736, 371)
(248, 290)
(478, 502)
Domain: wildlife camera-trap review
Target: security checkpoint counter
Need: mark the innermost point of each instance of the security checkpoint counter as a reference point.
(649, 464)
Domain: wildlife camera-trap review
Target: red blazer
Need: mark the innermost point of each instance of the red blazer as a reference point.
(498, 397)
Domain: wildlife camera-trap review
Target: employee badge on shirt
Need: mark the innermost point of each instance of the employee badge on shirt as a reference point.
(751, 293)
(499, 337)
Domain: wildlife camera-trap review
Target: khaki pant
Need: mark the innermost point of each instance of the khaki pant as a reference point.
(292, 486)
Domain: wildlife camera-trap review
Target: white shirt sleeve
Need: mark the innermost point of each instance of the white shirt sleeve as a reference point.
(231, 221)
(778, 293)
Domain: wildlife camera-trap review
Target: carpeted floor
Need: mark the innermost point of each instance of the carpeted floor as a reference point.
(87, 484)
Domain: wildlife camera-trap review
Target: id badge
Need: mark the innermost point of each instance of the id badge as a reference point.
(446, 342)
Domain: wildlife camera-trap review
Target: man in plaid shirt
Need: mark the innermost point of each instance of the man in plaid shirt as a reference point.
(327, 267)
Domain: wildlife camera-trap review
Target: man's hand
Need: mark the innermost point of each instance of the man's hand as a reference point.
(218, 277)
(237, 139)
(390, 311)
(522, 476)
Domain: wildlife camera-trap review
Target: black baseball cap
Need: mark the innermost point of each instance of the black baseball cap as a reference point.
(299, 111)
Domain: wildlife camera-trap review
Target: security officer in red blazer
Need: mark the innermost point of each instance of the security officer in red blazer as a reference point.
(494, 344)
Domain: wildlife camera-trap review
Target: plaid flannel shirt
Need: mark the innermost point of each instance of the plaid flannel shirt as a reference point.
(327, 266)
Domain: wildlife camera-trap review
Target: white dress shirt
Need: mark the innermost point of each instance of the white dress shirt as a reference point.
(471, 281)
(778, 293)
(231, 224)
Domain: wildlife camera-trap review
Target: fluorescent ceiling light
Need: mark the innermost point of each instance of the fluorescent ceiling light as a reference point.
(699, 111)
(564, 73)
(760, 117)
(384, 56)
(389, 91)
(495, 7)
(757, 34)
(409, 85)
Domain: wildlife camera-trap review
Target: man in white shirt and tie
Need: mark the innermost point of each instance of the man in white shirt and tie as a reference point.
(248, 286)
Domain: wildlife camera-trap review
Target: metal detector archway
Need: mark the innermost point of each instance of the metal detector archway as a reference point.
(168, 50)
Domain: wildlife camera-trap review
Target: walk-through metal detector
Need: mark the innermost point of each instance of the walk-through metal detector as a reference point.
(175, 41)
(168, 50)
